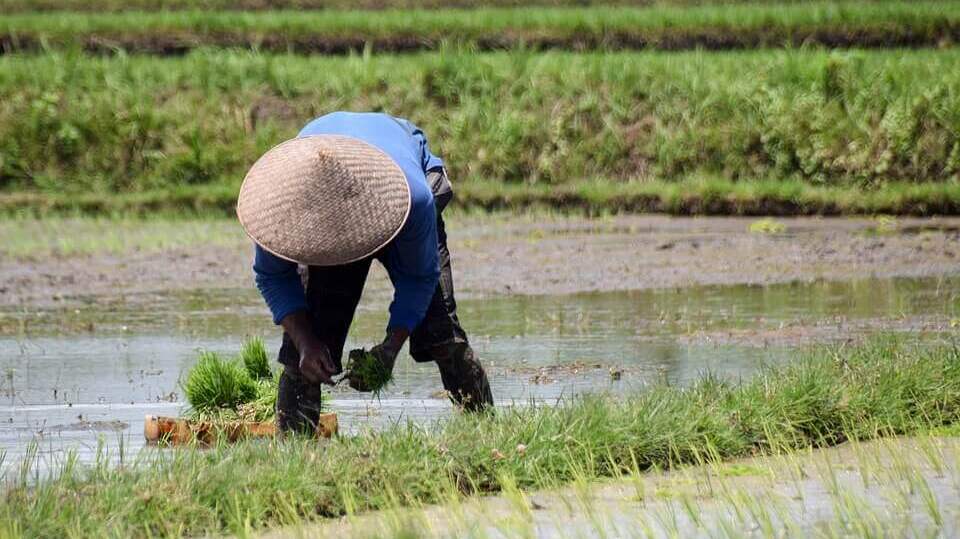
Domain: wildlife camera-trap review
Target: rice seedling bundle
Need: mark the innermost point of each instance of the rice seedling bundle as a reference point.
(368, 370)
(239, 389)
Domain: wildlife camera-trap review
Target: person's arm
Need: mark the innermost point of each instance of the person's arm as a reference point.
(414, 267)
(413, 263)
(279, 284)
(432, 165)
(428, 161)
(281, 288)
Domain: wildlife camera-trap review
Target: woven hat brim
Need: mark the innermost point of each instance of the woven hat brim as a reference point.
(324, 200)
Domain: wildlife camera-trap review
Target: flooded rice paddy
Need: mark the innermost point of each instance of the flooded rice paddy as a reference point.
(83, 377)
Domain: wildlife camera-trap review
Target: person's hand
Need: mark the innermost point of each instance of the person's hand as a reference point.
(386, 353)
(316, 365)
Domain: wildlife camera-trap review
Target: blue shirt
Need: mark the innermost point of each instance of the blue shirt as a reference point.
(411, 259)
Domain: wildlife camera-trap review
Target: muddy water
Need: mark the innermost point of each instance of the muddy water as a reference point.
(83, 377)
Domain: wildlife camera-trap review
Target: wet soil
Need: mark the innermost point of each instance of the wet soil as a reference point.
(535, 255)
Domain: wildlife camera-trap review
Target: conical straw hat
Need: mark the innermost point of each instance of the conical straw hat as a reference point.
(323, 200)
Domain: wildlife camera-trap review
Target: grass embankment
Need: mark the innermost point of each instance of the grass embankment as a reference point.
(840, 132)
(871, 24)
(692, 197)
(18, 6)
(883, 388)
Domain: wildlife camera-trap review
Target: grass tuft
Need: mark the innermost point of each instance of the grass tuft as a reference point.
(254, 357)
(214, 384)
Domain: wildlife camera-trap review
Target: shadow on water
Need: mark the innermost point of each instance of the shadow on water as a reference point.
(69, 378)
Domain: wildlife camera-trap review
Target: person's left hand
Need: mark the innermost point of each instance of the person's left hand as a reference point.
(386, 352)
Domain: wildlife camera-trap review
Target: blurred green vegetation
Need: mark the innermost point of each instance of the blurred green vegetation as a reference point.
(73, 125)
(846, 24)
(12, 6)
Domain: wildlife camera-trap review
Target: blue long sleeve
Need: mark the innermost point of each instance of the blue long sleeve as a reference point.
(413, 263)
(428, 161)
(279, 284)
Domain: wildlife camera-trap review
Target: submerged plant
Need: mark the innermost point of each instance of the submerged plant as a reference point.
(254, 357)
(215, 383)
(368, 371)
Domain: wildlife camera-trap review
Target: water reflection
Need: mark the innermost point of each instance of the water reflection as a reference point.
(71, 377)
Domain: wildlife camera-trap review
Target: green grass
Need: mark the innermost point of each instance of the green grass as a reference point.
(668, 27)
(105, 134)
(883, 388)
(12, 6)
(55, 236)
(31, 237)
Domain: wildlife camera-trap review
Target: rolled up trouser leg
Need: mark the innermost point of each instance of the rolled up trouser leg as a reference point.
(463, 377)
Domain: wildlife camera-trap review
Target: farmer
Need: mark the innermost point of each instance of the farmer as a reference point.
(351, 188)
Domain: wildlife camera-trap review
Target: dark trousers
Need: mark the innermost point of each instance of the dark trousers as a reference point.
(333, 293)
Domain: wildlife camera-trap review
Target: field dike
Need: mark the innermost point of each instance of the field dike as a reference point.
(711, 27)
(885, 387)
(101, 6)
(180, 42)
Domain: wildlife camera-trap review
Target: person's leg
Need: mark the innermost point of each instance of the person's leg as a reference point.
(441, 338)
(332, 296)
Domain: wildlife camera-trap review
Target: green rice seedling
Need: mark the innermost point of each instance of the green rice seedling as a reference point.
(930, 502)
(215, 384)
(263, 406)
(932, 452)
(368, 370)
(254, 356)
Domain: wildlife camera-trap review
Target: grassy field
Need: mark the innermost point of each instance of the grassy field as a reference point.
(621, 131)
(736, 26)
(883, 388)
(13, 6)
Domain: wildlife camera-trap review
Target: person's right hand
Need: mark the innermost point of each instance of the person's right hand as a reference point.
(316, 365)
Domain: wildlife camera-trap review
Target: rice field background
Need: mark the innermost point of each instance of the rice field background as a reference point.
(127, 126)
(164, 106)
(114, 132)
(728, 26)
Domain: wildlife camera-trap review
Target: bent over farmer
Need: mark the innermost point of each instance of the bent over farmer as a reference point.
(351, 188)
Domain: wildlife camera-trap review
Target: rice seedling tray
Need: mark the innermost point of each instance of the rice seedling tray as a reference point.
(174, 431)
